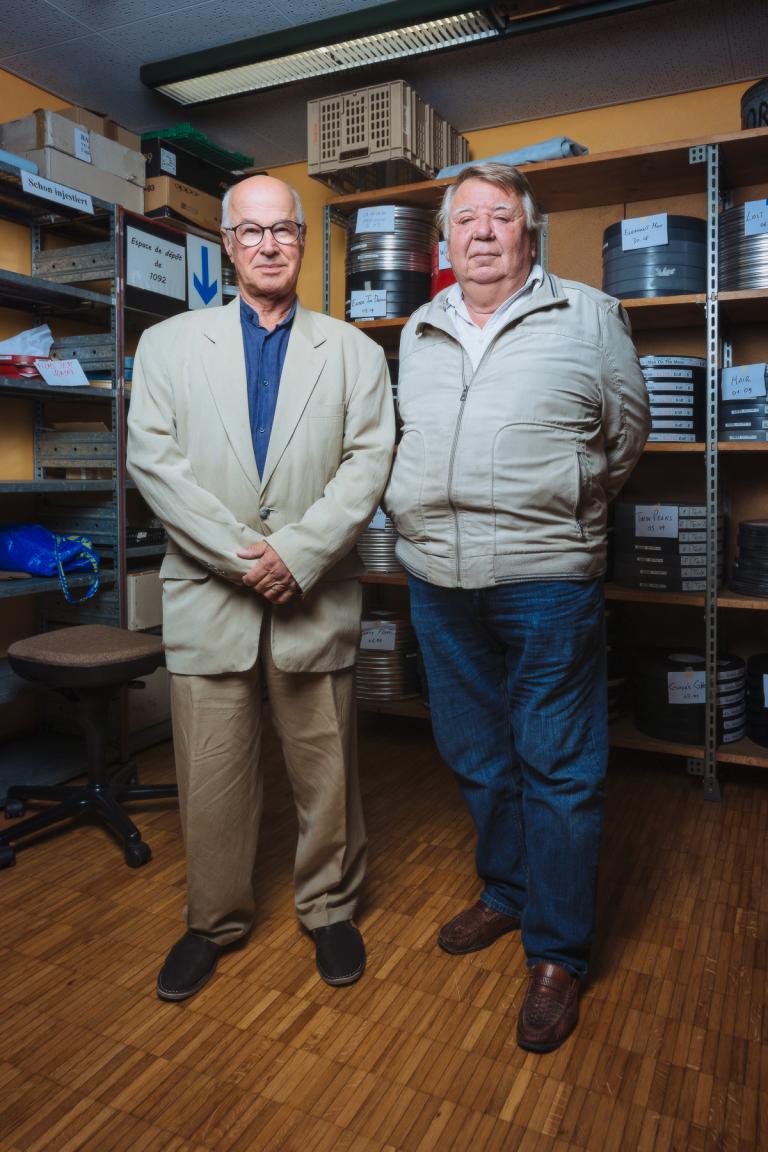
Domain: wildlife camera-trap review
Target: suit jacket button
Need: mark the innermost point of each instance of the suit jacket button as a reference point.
(264, 513)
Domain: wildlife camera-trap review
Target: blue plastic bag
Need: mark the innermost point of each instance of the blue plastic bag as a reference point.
(35, 549)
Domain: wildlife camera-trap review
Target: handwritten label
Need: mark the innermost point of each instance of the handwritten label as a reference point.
(368, 305)
(59, 193)
(755, 217)
(442, 255)
(82, 144)
(687, 687)
(167, 161)
(62, 373)
(658, 520)
(378, 635)
(742, 381)
(156, 265)
(378, 219)
(379, 519)
(644, 232)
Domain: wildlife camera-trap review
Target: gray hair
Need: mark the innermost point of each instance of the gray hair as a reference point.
(502, 176)
(226, 219)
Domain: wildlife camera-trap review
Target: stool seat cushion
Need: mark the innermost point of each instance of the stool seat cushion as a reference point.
(87, 646)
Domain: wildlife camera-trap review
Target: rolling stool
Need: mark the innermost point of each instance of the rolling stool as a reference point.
(88, 664)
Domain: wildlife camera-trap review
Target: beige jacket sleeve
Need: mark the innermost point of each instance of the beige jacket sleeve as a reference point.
(626, 411)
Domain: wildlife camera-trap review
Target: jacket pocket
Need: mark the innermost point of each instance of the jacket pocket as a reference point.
(177, 566)
(538, 489)
(403, 496)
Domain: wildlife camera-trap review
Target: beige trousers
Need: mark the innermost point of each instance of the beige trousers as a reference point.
(217, 729)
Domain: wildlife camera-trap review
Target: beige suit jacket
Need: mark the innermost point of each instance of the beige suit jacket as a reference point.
(191, 455)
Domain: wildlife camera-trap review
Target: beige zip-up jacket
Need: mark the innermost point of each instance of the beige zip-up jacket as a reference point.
(505, 473)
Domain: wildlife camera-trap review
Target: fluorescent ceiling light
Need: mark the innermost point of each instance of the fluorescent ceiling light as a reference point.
(365, 37)
(393, 44)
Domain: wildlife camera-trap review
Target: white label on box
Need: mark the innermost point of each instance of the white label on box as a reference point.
(82, 143)
(167, 161)
(49, 190)
(755, 217)
(379, 519)
(656, 520)
(442, 255)
(687, 687)
(156, 265)
(742, 381)
(379, 219)
(62, 373)
(644, 232)
(765, 691)
(203, 273)
(668, 373)
(368, 305)
(378, 635)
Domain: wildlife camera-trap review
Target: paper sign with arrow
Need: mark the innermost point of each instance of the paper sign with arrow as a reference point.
(203, 273)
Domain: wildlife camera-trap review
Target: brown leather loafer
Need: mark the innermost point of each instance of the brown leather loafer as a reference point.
(550, 1011)
(475, 928)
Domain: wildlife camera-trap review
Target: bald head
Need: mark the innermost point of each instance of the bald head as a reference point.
(261, 185)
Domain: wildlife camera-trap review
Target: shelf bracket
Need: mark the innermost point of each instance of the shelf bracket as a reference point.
(697, 154)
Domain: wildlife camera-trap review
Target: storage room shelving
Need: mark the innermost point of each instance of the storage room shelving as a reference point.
(580, 196)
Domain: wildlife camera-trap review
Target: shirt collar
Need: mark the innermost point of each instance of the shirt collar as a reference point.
(249, 315)
(454, 299)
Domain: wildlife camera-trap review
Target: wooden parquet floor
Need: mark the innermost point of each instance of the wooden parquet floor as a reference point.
(670, 1053)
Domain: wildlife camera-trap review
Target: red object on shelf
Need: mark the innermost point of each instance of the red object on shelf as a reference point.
(20, 367)
(442, 273)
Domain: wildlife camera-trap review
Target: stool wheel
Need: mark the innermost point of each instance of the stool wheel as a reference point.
(7, 856)
(137, 854)
(14, 808)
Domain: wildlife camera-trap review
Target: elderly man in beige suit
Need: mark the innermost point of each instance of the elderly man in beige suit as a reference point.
(261, 434)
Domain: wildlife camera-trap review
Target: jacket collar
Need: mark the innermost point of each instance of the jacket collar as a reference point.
(224, 369)
(548, 294)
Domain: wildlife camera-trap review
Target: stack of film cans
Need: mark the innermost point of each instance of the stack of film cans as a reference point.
(662, 547)
(670, 696)
(742, 258)
(677, 268)
(757, 698)
(744, 418)
(750, 570)
(394, 264)
(387, 666)
(376, 546)
(677, 387)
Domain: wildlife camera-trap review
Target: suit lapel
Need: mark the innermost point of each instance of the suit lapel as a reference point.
(304, 362)
(224, 368)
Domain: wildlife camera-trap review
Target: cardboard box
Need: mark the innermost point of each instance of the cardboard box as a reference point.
(151, 704)
(73, 173)
(44, 129)
(144, 599)
(189, 203)
(166, 158)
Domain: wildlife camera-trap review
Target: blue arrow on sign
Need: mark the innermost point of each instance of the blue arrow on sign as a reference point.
(206, 288)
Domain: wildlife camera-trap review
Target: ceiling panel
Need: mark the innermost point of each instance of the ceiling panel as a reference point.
(90, 52)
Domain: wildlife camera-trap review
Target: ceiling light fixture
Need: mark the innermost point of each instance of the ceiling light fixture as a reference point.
(386, 32)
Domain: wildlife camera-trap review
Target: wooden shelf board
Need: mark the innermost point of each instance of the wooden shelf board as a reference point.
(623, 734)
(384, 578)
(664, 447)
(642, 596)
(412, 707)
(743, 752)
(745, 305)
(742, 446)
(728, 599)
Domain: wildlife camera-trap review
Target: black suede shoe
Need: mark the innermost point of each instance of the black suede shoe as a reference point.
(340, 952)
(188, 966)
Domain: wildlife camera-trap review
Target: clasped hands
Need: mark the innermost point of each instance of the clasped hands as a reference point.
(268, 575)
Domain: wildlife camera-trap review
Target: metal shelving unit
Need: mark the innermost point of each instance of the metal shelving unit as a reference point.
(701, 166)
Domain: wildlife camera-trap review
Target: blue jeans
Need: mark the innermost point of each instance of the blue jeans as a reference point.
(517, 688)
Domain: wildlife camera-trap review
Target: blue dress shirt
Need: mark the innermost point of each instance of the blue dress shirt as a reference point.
(264, 358)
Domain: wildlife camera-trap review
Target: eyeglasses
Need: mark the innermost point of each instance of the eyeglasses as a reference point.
(250, 235)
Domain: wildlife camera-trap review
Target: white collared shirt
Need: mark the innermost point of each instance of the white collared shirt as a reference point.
(472, 337)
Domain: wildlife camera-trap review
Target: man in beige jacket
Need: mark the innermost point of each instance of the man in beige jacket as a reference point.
(261, 435)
